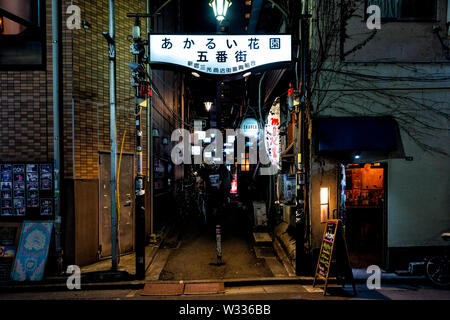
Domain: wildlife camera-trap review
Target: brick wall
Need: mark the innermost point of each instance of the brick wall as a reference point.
(26, 96)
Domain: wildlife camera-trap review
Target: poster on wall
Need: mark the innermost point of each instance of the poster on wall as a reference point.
(6, 172)
(46, 207)
(32, 251)
(32, 186)
(19, 199)
(46, 177)
(21, 188)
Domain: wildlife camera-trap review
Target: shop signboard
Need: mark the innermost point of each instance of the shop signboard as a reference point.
(32, 251)
(333, 251)
(250, 128)
(220, 54)
(272, 134)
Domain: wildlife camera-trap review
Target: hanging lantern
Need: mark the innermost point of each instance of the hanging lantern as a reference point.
(220, 8)
(208, 105)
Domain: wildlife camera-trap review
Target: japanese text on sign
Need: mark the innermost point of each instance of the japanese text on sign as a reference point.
(220, 54)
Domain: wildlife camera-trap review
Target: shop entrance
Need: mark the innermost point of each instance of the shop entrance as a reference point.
(366, 214)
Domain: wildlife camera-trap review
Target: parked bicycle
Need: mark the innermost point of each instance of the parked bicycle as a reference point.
(438, 267)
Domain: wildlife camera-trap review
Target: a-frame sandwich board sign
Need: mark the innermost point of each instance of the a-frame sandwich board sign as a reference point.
(334, 246)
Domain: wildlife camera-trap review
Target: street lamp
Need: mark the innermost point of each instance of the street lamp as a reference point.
(220, 8)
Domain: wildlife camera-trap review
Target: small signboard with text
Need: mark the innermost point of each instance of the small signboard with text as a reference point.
(333, 252)
(220, 54)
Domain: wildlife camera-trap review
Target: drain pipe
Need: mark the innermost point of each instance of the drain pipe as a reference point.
(56, 129)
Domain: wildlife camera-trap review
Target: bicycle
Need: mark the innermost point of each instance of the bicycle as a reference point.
(438, 267)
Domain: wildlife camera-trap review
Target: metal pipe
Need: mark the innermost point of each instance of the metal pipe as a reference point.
(279, 8)
(56, 129)
(112, 101)
(259, 99)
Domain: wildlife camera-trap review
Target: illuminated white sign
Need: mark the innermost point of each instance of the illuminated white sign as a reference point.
(250, 128)
(272, 134)
(220, 54)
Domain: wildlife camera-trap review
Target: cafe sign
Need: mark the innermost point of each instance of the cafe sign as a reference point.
(220, 54)
(250, 128)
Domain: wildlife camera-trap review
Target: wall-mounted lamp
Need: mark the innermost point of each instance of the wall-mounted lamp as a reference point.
(324, 204)
(155, 133)
(86, 25)
(165, 141)
(2, 27)
(195, 74)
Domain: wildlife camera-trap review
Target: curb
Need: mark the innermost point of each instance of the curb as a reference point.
(139, 284)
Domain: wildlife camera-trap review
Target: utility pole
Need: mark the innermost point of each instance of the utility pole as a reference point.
(141, 91)
(149, 117)
(110, 38)
(304, 265)
(56, 53)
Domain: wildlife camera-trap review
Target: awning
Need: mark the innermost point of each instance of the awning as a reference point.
(358, 139)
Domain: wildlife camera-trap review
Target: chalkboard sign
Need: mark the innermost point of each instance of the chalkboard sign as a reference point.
(334, 248)
(327, 249)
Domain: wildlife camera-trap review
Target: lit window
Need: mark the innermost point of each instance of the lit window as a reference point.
(245, 163)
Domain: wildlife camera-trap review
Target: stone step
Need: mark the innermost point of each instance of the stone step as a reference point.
(262, 239)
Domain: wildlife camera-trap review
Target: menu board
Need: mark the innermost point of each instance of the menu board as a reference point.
(326, 252)
(26, 190)
(333, 247)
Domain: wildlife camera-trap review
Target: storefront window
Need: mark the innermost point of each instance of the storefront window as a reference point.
(22, 34)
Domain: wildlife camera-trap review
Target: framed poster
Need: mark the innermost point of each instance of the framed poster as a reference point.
(5, 172)
(7, 203)
(5, 194)
(22, 186)
(46, 207)
(32, 251)
(7, 212)
(32, 186)
(32, 168)
(7, 185)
